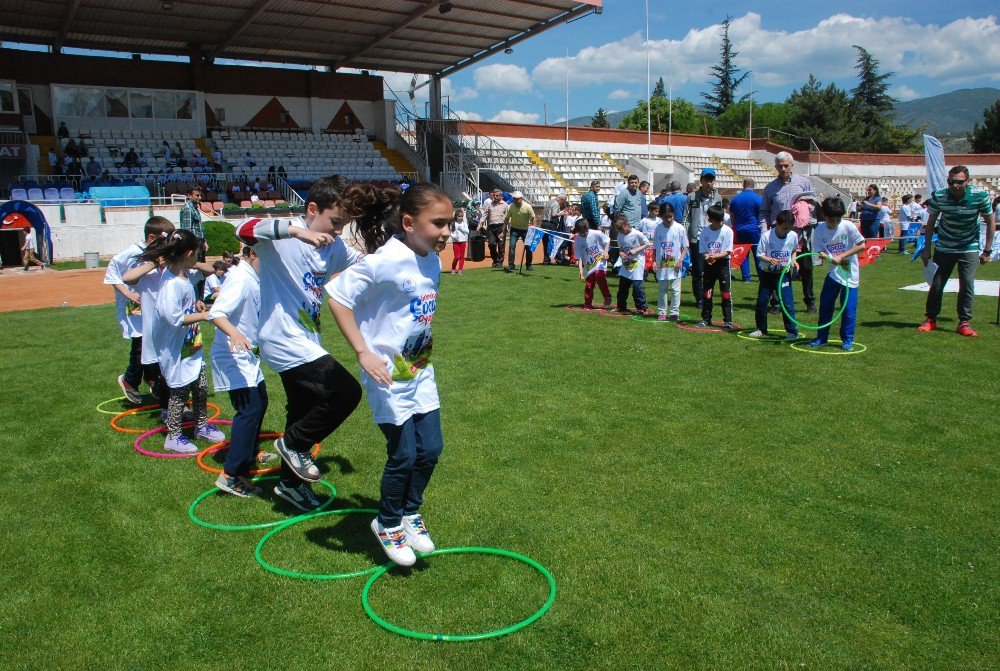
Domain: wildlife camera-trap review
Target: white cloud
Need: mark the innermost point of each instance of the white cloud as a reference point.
(620, 94)
(513, 116)
(468, 116)
(903, 93)
(782, 58)
(501, 78)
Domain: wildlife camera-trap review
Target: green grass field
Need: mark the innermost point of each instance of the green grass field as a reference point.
(704, 502)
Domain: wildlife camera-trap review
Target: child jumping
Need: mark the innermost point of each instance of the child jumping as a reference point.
(384, 306)
(670, 242)
(632, 246)
(460, 241)
(839, 242)
(777, 249)
(591, 250)
(177, 339)
(716, 245)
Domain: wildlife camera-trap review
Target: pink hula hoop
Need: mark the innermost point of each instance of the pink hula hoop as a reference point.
(171, 455)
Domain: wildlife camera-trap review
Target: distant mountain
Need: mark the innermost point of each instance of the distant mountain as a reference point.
(949, 115)
(613, 119)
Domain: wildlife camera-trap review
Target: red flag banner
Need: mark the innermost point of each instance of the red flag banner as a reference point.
(739, 255)
(873, 248)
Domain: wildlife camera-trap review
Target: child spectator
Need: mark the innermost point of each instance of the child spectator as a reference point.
(670, 243)
(839, 242)
(214, 282)
(460, 240)
(716, 244)
(592, 252)
(776, 250)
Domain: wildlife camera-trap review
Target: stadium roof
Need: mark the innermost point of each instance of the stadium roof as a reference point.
(394, 35)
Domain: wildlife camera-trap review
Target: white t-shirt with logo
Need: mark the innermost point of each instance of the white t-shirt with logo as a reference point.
(671, 243)
(779, 249)
(591, 250)
(837, 241)
(239, 302)
(212, 284)
(292, 277)
(648, 226)
(393, 294)
(178, 346)
(716, 242)
(129, 314)
(148, 286)
(633, 265)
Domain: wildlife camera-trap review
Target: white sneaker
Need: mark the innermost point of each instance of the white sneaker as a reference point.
(416, 533)
(180, 444)
(394, 544)
(210, 433)
(756, 334)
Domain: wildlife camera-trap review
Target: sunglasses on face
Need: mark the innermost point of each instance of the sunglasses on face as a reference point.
(957, 182)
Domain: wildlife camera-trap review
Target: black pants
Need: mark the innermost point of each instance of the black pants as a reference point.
(133, 374)
(200, 291)
(154, 378)
(712, 273)
(321, 395)
(697, 264)
(806, 277)
(496, 242)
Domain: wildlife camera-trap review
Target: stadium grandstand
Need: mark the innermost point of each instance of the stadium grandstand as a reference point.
(98, 140)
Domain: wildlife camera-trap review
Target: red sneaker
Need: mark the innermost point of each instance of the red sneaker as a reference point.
(965, 330)
(928, 325)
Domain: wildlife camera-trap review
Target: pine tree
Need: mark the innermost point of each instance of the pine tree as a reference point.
(823, 114)
(660, 90)
(600, 120)
(726, 82)
(875, 110)
(985, 139)
(686, 117)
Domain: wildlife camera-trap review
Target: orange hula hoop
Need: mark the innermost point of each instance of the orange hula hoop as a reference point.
(114, 420)
(218, 447)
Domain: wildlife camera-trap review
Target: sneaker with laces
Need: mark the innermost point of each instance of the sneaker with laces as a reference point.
(416, 533)
(816, 343)
(237, 486)
(756, 334)
(728, 326)
(791, 336)
(847, 346)
(299, 496)
(179, 444)
(301, 463)
(265, 458)
(673, 318)
(928, 325)
(811, 310)
(209, 432)
(394, 544)
(132, 394)
(607, 304)
(964, 329)
(662, 317)
(702, 324)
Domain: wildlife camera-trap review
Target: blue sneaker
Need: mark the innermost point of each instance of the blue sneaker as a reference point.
(847, 346)
(816, 343)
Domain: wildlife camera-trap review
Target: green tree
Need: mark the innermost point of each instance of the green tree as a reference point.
(725, 77)
(985, 139)
(823, 114)
(735, 121)
(600, 120)
(660, 90)
(875, 110)
(686, 117)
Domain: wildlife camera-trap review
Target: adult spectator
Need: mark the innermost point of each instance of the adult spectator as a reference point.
(143, 161)
(131, 158)
(93, 168)
(781, 192)
(190, 219)
(54, 162)
(869, 210)
(519, 216)
(72, 150)
(695, 219)
(281, 172)
(166, 151)
(217, 159)
(745, 212)
(552, 220)
(630, 202)
(63, 132)
(644, 190)
(495, 213)
(691, 186)
(677, 200)
(955, 212)
(250, 161)
(590, 204)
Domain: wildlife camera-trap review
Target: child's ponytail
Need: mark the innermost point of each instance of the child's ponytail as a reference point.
(171, 247)
(375, 212)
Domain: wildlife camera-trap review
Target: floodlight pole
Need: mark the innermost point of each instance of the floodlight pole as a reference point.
(649, 111)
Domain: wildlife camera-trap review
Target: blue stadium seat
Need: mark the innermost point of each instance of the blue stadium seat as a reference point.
(18, 194)
(36, 194)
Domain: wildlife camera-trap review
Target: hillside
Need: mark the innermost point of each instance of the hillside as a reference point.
(950, 114)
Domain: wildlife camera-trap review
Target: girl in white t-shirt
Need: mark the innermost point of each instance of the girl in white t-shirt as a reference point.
(177, 339)
(384, 305)
(670, 243)
(460, 240)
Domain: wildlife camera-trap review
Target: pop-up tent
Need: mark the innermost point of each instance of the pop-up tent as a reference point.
(22, 214)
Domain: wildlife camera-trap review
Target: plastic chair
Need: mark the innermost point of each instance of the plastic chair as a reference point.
(18, 194)
(35, 194)
(245, 204)
(51, 194)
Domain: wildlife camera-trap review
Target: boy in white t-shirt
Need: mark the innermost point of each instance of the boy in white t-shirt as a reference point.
(883, 221)
(777, 249)
(670, 242)
(909, 222)
(715, 246)
(591, 250)
(29, 249)
(839, 242)
(632, 246)
(297, 256)
(214, 282)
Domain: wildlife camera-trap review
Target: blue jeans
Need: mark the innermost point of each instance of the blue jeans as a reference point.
(413, 449)
(250, 403)
(515, 235)
(832, 289)
(748, 236)
(768, 287)
(638, 293)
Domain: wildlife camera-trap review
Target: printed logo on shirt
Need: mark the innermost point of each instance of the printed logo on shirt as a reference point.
(422, 307)
(133, 309)
(715, 248)
(409, 286)
(309, 313)
(595, 254)
(416, 355)
(667, 256)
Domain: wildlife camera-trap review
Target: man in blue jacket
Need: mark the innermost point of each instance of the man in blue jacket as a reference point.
(744, 209)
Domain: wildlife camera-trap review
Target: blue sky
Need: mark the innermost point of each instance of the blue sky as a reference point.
(781, 42)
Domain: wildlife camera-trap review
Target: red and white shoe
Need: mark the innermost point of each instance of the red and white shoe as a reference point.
(965, 330)
(928, 325)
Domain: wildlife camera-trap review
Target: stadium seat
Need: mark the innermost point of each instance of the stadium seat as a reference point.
(18, 194)
(51, 194)
(245, 204)
(35, 194)
(205, 207)
(67, 194)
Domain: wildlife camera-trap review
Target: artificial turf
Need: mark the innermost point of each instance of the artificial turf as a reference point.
(703, 501)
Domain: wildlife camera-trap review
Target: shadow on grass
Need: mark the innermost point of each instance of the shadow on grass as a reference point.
(890, 324)
(349, 533)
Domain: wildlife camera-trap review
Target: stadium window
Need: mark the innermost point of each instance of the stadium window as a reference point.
(141, 104)
(7, 101)
(116, 103)
(163, 105)
(185, 105)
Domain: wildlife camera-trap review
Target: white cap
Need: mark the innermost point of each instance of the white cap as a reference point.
(517, 194)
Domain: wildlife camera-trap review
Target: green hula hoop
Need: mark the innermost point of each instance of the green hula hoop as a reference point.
(100, 407)
(260, 525)
(814, 350)
(781, 278)
(259, 551)
(463, 637)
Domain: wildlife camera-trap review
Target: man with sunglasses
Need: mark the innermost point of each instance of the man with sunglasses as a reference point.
(954, 215)
(695, 219)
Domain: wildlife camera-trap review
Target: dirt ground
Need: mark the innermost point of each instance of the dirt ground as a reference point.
(46, 288)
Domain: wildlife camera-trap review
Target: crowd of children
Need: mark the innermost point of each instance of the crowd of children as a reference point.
(269, 309)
